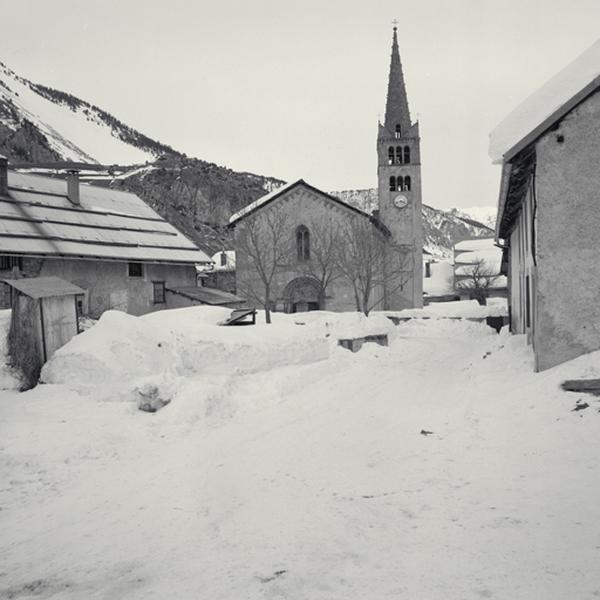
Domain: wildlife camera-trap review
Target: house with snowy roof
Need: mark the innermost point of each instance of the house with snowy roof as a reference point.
(108, 243)
(548, 212)
(477, 270)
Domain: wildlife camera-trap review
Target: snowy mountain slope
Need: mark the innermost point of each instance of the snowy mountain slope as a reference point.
(66, 127)
(482, 214)
(441, 229)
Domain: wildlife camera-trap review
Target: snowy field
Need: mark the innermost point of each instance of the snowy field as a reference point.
(286, 467)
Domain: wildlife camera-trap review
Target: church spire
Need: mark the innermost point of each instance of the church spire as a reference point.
(396, 108)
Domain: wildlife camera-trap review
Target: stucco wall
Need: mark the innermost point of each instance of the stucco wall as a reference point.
(568, 238)
(301, 207)
(109, 286)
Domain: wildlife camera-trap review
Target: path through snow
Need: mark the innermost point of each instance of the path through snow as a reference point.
(312, 481)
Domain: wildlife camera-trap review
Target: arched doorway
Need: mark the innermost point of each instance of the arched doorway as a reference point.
(301, 295)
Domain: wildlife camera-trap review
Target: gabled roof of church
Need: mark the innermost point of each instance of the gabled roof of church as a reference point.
(271, 196)
(547, 105)
(396, 108)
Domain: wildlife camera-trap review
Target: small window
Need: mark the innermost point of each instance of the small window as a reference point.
(392, 184)
(303, 243)
(391, 155)
(399, 155)
(223, 259)
(427, 269)
(407, 183)
(158, 292)
(135, 269)
(398, 130)
(400, 184)
(406, 154)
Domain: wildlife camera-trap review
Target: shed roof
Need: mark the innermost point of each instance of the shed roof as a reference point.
(37, 218)
(206, 295)
(44, 287)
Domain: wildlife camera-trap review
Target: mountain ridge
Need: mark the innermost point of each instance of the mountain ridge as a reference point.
(40, 124)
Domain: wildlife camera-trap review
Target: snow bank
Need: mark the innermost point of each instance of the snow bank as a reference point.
(122, 351)
(496, 307)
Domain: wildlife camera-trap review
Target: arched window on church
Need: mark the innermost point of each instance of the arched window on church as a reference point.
(392, 184)
(303, 243)
(399, 154)
(391, 155)
(398, 130)
(407, 183)
(400, 184)
(406, 154)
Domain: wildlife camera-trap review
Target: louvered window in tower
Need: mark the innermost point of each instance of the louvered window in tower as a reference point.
(392, 184)
(303, 243)
(398, 130)
(399, 155)
(406, 154)
(391, 155)
(400, 184)
(407, 183)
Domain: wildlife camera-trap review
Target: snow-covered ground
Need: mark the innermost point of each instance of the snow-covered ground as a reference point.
(265, 479)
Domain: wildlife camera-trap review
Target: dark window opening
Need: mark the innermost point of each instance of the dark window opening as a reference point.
(158, 292)
(407, 183)
(223, 259)
(427, 269)
(527, 304)
(303, 243)
(398, 130)
(392, 184)
(399, 155)
(135, 269)
(406, 154)
(391, 155)
(400, 184)
(8, 262)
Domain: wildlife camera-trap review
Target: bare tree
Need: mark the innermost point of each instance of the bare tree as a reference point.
(477, 277)
(322, 265)
(264, 241)
(369, 260)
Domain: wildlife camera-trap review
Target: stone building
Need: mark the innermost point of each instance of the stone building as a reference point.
(548, 213)
(308, 211)
(109, 243)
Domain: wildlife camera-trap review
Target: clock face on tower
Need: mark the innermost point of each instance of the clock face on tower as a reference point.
(400, 201)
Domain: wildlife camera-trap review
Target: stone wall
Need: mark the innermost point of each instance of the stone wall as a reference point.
(568, 237)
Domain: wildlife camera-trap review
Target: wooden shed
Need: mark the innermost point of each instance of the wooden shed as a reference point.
(44, 318)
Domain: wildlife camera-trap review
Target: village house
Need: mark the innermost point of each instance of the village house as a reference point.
(108, 243)
(548, 212)
(309, 214)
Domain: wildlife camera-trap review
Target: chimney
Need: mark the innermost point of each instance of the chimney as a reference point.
(73, 186)
(3, 176)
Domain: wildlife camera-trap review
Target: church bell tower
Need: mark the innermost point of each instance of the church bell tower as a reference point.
(399, 186)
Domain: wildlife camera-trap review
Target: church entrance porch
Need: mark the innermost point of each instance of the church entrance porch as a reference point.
(302, 295)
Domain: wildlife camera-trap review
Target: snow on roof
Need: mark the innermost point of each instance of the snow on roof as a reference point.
(546, 105)
(262, 200)
(229, 260)
(37, 218)
(479, 244)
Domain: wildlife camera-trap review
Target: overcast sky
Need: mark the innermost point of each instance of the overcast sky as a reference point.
(294, 89)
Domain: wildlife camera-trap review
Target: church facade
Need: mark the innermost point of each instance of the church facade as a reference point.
(285, 239)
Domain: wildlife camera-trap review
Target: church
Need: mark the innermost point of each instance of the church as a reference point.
(299, 248)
